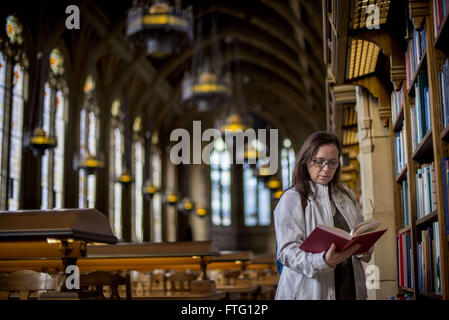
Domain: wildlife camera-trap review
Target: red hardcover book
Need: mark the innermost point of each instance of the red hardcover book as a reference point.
(322, 237)
(401, 261)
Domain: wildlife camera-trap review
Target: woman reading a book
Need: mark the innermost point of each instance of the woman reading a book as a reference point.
(317, 198)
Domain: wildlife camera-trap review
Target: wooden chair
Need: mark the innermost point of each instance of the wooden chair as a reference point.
(178, 282)
(231, 276)
(99, 279)
(25, 284)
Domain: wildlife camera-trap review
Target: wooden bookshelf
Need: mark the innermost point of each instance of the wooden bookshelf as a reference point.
(426, 220)
(442, 38)
(445, 134)
(404, 230)
(424, 151)
(402, 175)
(432, 148)
(431, 295)
(397, 125)
(396, 37)
(422, 65)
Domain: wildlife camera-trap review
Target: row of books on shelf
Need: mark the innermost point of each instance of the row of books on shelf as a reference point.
(445, 171)
(415, 52)
(400, 149)
(439, 12)
(426, 192)
(443, 82)
(405, 203)
(396, 103)
(428, 260)
(420, 111)
(404, 254)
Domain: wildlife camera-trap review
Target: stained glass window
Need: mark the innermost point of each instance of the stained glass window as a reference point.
(287, 164)
(56, 62)
(87, 183)
(2, 108)
(138, 185)
(46, 158)
(220, 174)
(117, 152)
(89, 127)
(58, 169)
(14, 30)
(15, 154)
(13, 90)
(257, 199)
(156, 174)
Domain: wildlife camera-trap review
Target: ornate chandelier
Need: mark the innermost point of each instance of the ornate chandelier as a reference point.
(159, 26)
(206, 85)
(206, 89)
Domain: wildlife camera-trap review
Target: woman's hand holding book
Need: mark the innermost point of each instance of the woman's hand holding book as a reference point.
(333, 258)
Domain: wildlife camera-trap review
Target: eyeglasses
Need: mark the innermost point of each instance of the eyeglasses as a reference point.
(321, 163)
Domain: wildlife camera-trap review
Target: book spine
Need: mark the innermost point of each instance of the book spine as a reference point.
(446, 89)
(445, 171)
(434, 188)
(442, 100)
(435, 14)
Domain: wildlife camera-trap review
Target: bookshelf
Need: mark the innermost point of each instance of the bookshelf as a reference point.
(422, 236)
(411, 84)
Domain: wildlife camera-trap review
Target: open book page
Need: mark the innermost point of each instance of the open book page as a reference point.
(365, 227)
(336, 231)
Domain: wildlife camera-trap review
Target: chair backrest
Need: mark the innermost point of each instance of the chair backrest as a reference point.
(25, 284)
(178, 281)
(231, 276)
(99, 279)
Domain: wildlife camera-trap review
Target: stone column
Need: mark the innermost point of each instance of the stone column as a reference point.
(377, 191)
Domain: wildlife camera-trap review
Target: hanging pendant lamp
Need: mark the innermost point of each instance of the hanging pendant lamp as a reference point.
(160, 26)
(125, 178)
(39, 141)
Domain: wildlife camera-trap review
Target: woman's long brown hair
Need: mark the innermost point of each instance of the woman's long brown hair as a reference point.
(301, 177)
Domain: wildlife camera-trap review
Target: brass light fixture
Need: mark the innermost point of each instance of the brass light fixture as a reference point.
(207, 90)
(90, 164)
(278, 193)
(206, 85)
(171, 198)
(273, 183)
(125, 178)
(159, 25)
(39, 141)
(186, 205)
(201, 212)
(233, 123)
(149, 189)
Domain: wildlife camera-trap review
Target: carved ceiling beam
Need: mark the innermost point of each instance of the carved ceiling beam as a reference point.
(390, 47)
(258, 20)
(253, 40)
(123, 49)
(304, 30)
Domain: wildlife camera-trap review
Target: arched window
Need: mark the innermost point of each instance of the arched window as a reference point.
(287, 163)
(220, 174)
(156, 205)
(139, 160)
(54, 124)
(89, 131)
(257, 199)
(13, 90)
(116, 166)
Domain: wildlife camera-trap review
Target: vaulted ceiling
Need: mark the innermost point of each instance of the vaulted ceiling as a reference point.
(280, 56)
